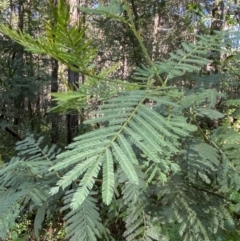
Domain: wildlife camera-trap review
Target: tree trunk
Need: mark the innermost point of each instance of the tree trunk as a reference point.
(216, 25)
(18, 56)
(73, 77)
(156, 24)
(54, 88)
(217, 16)
(137, 51)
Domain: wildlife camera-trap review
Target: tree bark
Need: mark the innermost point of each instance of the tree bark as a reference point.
(13, 133)
(73, 77)
(217, 16)
(54, 88)
(18, 56)
(216, 25)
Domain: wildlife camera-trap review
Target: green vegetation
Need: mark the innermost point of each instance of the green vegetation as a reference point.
(155, 155)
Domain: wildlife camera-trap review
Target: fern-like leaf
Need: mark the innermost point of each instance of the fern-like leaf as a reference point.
(61, 42)
(24, 181)
(86, 184)
(83, 223)
(130, 129)
(191, 58)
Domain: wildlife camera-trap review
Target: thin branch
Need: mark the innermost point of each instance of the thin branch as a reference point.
(139, 38)
(13, 133)
(212, 193)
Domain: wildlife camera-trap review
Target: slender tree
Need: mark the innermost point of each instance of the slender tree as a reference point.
(73, 77)
(54, 89)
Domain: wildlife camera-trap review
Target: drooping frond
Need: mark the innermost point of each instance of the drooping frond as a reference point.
(233, 102)
(39, 218)
(83, 223)
(9, 210)
(190, 58)
(128, 126)
(195, 199)
(140, 226)
(138, 222)
(198, 214)
(22, 182)
(228, 141)
(202, 97)
(200, 163)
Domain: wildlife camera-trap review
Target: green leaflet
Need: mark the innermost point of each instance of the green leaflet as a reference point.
(86, 184)
(83, 223)
(39, 218)
(108, 178)
(113, 10)
(124, 162)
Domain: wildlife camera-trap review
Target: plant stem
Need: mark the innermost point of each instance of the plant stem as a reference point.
(139, 38)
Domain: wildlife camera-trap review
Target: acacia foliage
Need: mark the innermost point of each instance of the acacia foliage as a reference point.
(147, 162)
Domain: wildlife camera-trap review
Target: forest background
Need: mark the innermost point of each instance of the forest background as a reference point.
(119, 120)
